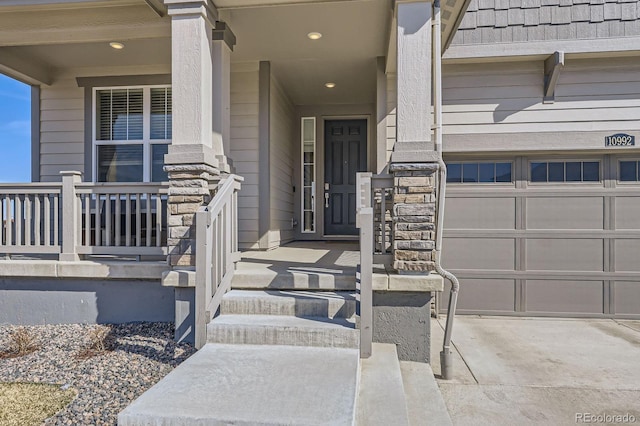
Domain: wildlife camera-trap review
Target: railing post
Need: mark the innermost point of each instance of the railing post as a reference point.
(366, 278)
(201, 320)
(69, 215)
(364, 221)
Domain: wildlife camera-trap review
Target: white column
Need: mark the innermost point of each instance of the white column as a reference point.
(192, 23)
(222, 46)
(413, 142)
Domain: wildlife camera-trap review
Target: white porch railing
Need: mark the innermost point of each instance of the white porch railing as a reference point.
(30, 215)
(75, 218)
(373, 204)
(124, 219)
(216, 252)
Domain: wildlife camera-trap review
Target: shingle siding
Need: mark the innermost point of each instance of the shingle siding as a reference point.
(509, 21)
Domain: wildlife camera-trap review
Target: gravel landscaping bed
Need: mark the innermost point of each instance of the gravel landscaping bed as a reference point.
(107, 382)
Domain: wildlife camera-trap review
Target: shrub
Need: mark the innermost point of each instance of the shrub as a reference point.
(21, 342)
(100, 340)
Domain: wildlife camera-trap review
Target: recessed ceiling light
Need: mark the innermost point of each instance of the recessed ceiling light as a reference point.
(314, 35)
(330, 85)
(116, 45)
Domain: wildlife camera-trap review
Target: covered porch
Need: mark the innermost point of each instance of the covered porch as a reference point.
(271, 86)
(195, 130)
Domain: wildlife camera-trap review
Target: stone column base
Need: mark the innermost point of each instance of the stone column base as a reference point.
(188, 191)
(414, 205)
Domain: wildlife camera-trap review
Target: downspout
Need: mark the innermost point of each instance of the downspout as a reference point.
(445, 356)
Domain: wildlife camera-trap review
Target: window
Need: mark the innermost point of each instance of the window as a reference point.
(479, 173)
(308, 140)
(132, 133)
(629, 171)
(565, 171)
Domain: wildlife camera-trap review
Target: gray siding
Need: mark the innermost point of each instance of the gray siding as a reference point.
(495, 106)
(509, 21)
(282, 160)
(244, 148)
(61, 129)
(392, 102)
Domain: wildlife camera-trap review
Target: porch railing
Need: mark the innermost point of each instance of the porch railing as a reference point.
(216, 252)
(373, 217)
(75, 218)
(30, 218)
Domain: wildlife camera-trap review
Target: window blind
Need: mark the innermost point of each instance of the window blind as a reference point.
(161, 113)
(119, 114)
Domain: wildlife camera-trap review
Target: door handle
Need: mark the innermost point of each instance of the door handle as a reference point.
(326, 200)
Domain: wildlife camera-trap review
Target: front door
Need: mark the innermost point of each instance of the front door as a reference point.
(345, 155)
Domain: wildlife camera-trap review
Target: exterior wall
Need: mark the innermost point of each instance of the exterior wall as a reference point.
(489, 107)
(509, 21)
(37, 300)
(548, 249)
(61, 129)
(244, 148)
(403, 318)
(281, 153)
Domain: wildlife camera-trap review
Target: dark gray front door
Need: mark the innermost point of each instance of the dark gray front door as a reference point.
(345, 155)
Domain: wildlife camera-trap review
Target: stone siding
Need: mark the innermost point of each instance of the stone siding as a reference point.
(414, 206)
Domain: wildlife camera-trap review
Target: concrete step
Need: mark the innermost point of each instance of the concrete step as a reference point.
(293, 303)
(381, 399)
(283, 330)
(253, 385)
(247, 276)
(425, 403)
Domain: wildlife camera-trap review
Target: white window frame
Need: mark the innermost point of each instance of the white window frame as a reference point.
(462, 162)
(315, 174)
(146, 140)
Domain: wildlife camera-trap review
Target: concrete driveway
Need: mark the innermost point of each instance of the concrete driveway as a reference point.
(513, 371)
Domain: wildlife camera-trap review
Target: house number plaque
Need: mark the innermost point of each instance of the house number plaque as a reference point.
(620, 139)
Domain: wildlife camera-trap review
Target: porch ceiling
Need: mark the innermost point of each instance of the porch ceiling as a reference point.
(354, 33)
(99, 54)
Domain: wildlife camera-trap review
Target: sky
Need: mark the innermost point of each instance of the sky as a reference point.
(15, 131)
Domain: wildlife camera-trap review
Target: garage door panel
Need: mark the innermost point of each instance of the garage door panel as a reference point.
(492, 295)
(480, 213)
(627, 255)
(479, 253)
(564, 296)
(565, 213)
(627, 212)
(627, 297)
(565, 254)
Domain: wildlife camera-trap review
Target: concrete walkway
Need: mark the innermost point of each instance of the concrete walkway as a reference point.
(540, 371)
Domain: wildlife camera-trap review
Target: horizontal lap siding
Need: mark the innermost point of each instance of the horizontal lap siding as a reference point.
(489, 99)
(281, 154)
(61, 129)
(392, 102)
(244, 148)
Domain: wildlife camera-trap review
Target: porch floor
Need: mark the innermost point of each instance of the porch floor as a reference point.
(300, 265)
